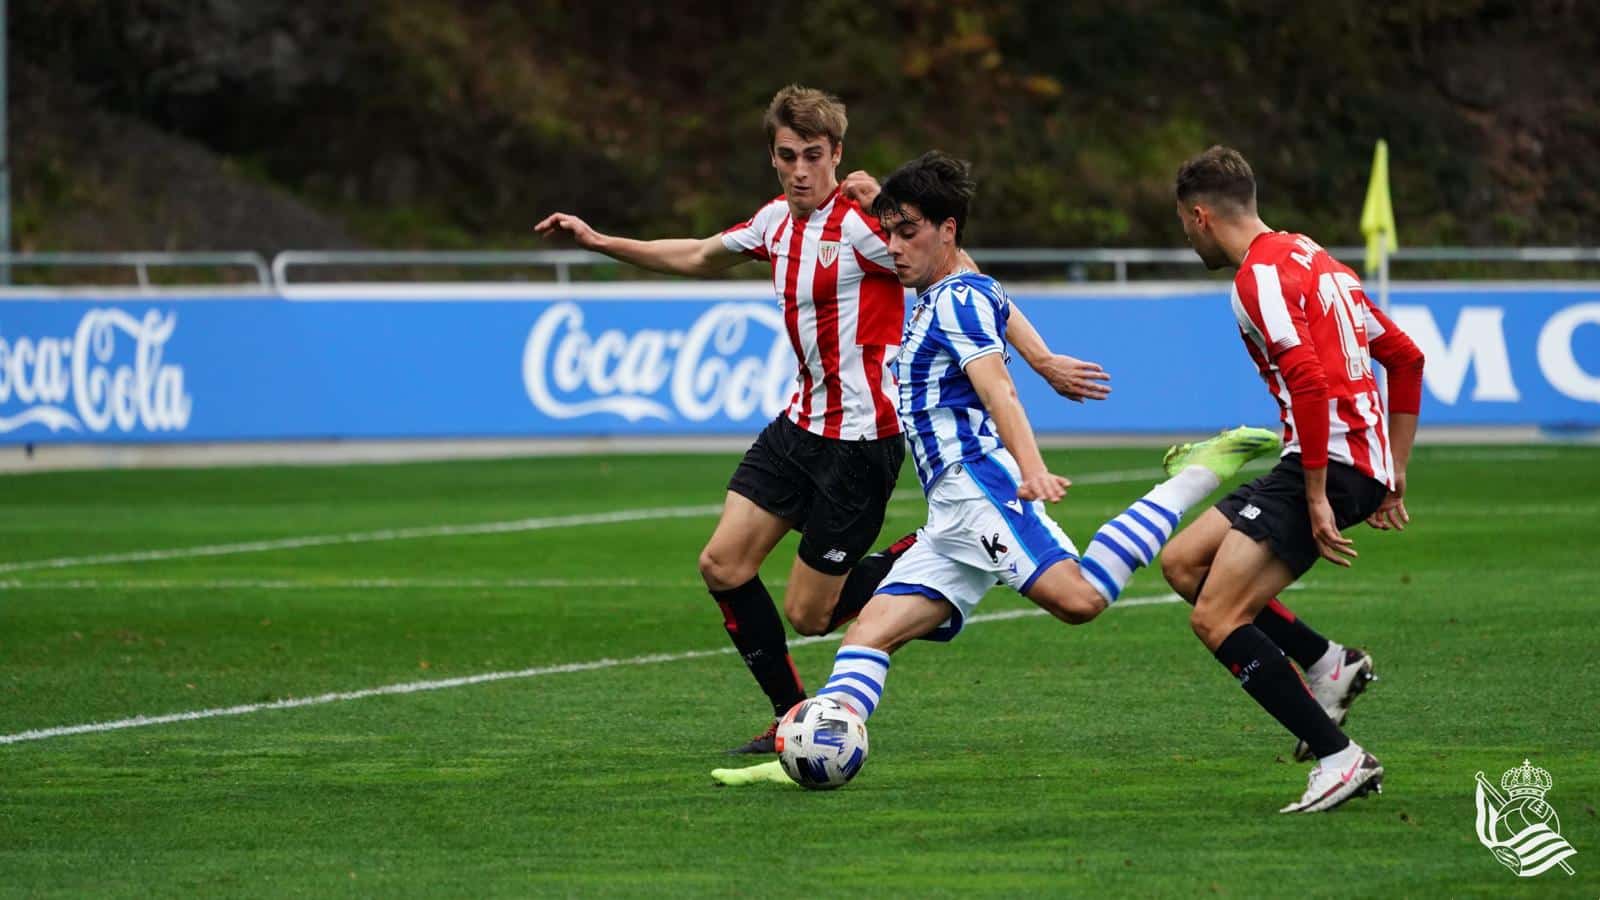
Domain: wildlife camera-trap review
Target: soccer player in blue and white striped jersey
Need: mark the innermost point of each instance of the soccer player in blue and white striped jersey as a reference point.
(978, 461)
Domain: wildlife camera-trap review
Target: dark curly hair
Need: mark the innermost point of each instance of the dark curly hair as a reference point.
(939, 185)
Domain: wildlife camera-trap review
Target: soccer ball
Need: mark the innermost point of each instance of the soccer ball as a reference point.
(822, 743)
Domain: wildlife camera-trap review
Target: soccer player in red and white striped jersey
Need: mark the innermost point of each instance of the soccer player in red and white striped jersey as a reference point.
(827, 465)
(1312, 332)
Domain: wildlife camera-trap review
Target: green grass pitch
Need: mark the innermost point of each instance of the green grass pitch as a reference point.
(1026, 758)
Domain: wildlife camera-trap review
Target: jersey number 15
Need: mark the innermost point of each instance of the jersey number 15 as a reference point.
(1337, 292)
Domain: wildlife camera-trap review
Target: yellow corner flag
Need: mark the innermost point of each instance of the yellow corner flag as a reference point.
(1377, 214)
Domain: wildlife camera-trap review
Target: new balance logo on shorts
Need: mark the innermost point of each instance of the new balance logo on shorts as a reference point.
(994, 548)
(1250, 512)
(834, 556)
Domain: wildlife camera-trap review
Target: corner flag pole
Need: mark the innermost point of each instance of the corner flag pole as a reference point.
(1377, 223)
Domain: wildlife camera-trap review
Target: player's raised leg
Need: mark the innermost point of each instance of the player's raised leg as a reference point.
(1132, 539)
(730, 565)
(1244, 576)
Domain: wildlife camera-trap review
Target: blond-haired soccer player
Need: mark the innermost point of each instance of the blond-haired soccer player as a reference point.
(827, 464)
(1312, 334)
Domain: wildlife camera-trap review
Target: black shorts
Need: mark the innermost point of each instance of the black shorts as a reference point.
(1273, 508)
(833, 492)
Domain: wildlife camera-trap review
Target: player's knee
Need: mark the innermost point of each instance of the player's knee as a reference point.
(808, 619)
(1072, 606)
(722, 574)
(1182, 573)
(1205, 624)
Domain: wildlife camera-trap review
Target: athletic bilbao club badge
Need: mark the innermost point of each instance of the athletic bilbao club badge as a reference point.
(827, 252)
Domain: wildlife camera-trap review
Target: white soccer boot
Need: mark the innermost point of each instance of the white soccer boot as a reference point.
(1352, 772)
(1336, 688)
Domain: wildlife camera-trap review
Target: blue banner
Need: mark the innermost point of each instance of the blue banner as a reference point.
(677, 359)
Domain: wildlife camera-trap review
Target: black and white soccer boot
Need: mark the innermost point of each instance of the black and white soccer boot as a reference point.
(765, 742)
(1336, 688)
(1352, 772)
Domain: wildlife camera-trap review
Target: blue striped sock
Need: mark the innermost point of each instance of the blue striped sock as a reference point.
(858, 676)
(1124, 544)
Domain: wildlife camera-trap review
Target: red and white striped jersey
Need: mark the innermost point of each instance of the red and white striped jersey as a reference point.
(843, 308)
(1288, 293)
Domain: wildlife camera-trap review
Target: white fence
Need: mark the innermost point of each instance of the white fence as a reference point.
(253, 271)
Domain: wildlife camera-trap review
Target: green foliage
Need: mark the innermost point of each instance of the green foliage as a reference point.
(483, 116)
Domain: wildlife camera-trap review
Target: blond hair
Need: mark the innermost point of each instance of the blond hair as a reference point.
(808, 112)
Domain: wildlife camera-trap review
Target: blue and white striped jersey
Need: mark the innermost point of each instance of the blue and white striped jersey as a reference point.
(957, 319)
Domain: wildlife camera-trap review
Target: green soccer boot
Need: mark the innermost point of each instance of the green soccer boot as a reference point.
(1223, 454)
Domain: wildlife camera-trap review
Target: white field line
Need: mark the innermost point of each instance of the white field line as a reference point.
(432, 531)
(366, 537)
(414, 687)
(341, 584)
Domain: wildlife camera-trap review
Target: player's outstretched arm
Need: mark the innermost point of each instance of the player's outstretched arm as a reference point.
(999, 395)
(673, 256)
(1075, 379)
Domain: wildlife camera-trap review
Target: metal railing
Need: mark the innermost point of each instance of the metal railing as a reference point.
(1073, 263)
(141, 263)
(1121, 258)
(560, 260)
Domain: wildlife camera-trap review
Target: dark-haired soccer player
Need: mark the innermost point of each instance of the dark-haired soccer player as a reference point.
(979, 464)
(825, 466)
(1313, 334)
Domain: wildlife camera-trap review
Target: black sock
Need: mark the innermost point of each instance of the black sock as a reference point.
(751, 619)
(1265, 674)
(1297, 639)
(1303, 644)
(864, 579)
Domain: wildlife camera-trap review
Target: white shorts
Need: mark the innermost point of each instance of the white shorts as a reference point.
(979, 534)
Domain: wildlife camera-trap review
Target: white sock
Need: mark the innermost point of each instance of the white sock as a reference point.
(1326, 662)
(1184, 489)
(1131, 540)
(859, 673)
(1344, 759)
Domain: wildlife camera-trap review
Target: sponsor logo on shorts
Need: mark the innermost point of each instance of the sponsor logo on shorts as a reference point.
(1250, 511)
(994, 548)
(834, 556)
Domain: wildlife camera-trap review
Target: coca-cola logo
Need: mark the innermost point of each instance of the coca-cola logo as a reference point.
(733, 361)
(108, 375)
